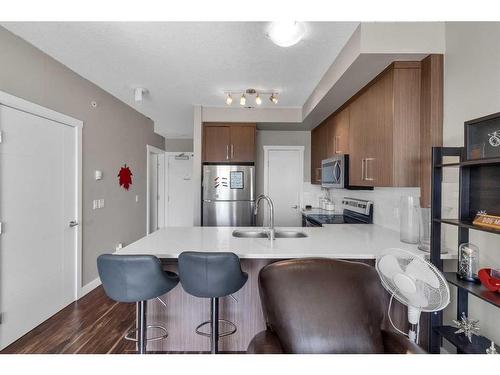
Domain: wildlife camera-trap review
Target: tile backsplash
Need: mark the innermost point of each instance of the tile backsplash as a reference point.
(385, 201)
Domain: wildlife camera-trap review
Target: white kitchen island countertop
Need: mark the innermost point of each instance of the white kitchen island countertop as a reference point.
(345, 241)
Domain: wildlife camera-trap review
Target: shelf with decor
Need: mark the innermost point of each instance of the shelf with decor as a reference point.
(479, 187)
(467, 223)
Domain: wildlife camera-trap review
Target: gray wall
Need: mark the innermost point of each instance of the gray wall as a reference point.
(113, 134)
(179, 144)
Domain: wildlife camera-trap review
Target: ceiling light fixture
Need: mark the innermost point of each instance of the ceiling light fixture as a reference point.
(258, 100)
(252, 93)
(286, 33)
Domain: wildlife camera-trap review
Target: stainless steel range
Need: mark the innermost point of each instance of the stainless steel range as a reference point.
(228, 195)
(355, 211)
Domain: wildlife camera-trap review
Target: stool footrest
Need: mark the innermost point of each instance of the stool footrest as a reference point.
(231, 331)
(129, 336)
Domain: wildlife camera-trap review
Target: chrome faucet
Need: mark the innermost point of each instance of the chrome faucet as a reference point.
(270, 233)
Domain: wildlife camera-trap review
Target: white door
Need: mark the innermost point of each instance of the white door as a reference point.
(283, 183)
(38, 199)
(179, 183)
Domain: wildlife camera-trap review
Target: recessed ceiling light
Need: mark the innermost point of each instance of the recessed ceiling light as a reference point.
(286, 33)
(243, 99)
(229, 99)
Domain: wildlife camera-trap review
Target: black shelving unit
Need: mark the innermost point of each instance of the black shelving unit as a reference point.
(479, 184)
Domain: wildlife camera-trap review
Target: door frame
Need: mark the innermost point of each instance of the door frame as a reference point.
(20, 104)
(301, 149)
(153, 150)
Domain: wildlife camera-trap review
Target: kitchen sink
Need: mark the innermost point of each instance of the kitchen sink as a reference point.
(289, 234)
(263, 234)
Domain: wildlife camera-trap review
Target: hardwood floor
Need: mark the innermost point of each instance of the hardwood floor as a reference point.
(92, 325)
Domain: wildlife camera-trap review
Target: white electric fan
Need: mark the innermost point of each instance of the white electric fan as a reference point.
(414, 282)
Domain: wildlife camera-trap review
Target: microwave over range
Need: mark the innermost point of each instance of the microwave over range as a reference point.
(335, 173)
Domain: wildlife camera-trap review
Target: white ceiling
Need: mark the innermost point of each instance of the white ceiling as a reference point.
(187, 63)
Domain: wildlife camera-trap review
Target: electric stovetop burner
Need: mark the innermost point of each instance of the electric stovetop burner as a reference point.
(334, 219)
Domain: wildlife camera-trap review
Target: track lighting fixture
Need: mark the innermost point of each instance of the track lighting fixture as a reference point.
(250, 92)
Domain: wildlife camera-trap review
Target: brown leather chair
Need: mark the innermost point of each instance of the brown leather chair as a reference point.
(324, 306)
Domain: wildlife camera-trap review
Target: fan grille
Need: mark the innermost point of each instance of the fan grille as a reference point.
(435, 298)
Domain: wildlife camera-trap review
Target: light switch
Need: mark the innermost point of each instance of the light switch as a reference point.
(94, 204)
(101, 203)
(136, 199)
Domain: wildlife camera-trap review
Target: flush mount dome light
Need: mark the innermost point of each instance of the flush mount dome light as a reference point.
(286, 33)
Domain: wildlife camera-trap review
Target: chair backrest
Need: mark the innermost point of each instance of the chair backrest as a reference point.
(210, 274)
(133, 278)
(323, 305)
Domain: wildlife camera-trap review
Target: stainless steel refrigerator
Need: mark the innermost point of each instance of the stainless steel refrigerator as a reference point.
(228, 195)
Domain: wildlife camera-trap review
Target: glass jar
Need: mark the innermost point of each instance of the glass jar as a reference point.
(468, 261)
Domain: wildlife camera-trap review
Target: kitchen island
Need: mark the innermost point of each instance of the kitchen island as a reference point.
(184, 312)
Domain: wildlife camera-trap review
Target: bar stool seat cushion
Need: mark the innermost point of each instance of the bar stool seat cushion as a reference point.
(134, 278)
(211, 274)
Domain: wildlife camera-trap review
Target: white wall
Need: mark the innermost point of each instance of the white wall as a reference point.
(471, 90)
(179, 144)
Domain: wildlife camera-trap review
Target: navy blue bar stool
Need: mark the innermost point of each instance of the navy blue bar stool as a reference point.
(136, 278)
(212, 275)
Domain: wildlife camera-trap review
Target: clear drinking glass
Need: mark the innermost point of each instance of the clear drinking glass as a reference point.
(408, 212)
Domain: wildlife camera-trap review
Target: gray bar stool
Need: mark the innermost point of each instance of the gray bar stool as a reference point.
(212, 275)
(136, 278)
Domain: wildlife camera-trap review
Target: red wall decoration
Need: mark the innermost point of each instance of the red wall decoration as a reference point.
(125, 177)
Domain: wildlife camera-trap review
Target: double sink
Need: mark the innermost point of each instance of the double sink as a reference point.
(262, 233)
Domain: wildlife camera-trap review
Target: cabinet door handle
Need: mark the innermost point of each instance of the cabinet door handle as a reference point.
(336, 144)
(362, 169)
(227, 152)
(366, 169)
(232, 151)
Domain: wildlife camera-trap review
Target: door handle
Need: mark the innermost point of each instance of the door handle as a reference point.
(336, 139)
(296, 206)
(227, 152)
(73, 223)
(232, 151)
(366, 169)
(362, 169)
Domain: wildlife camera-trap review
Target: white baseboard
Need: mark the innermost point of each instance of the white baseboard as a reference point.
(89, 287)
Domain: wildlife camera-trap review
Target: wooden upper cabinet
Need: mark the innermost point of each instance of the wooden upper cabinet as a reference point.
(229, 143)
(242, 147)
(384, 130)
(380, 130)
(319, 151)
(338, 133)
(216, 141)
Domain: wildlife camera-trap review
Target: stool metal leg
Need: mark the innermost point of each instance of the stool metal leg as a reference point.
(142, 328)
(214, 339)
